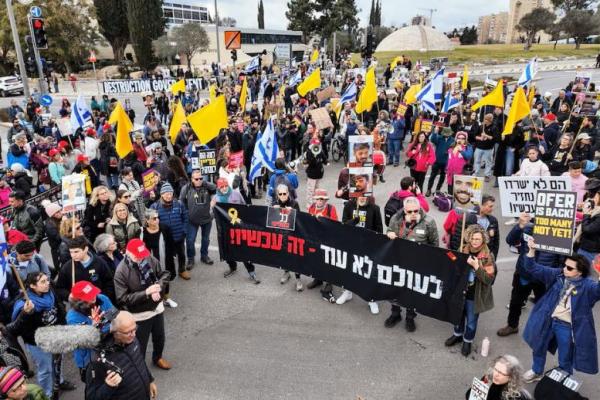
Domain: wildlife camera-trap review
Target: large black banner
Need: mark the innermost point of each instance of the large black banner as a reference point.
(430, 279)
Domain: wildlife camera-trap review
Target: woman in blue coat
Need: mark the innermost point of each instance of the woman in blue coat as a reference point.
(562, 319)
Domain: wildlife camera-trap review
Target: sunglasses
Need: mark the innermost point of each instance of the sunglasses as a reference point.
(197, 179)
(411, 211)
(570, 269)
(282, 194)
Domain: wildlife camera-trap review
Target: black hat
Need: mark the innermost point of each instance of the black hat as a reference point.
(592, 185)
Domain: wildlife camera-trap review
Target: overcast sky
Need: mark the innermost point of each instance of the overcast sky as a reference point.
(449, 14)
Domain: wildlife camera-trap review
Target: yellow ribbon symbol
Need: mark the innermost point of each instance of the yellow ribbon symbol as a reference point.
(233, 214)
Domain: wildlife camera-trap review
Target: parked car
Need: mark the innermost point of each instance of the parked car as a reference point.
(10, 85)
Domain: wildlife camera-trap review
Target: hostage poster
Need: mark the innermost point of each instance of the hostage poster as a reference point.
(555, 221)
(370, 265)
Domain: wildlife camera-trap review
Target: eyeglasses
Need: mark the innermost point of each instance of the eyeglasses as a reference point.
(411, 211)
(196, 179)
(500, 372)
(282, 194)
(128, 333)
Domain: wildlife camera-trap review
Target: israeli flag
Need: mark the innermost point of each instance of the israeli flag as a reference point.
(295, 79)
(428, 99)
(3, 262)
(265, 152)
(252, 65)
(81, 115)
(450, 102)
(529, 72)
(434, 88)
(349, 94)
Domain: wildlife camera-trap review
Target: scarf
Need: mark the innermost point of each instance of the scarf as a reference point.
(44, 302)
(224, 198)
(146, 274)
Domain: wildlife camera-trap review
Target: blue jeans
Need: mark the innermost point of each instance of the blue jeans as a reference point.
(44, 367)
(112, 181)
(562, 334)
(190, 238)
(468, 324)
(509, 161)
(587, 254)
(394, 151)
(487, 156)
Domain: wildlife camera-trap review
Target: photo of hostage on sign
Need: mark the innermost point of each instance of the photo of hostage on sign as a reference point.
(360, 151)
(467, 191)
(361, 182)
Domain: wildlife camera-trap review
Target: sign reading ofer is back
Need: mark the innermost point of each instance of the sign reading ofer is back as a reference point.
(431, 279)
(144, 85)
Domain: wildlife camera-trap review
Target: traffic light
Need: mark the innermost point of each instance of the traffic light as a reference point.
(30, 66)
(234, 55)
(39, 33)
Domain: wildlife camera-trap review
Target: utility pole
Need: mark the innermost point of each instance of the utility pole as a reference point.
(217, 34)
(17, 42)
(334, 33)
(38, 59)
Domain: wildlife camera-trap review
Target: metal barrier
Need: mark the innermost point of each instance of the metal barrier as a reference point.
(53, 194)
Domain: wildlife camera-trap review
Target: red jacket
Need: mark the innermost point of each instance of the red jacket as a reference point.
(424, 159)
(403, 194)
(328, 212)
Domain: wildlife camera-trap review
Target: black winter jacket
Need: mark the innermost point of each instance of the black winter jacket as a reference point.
(98, 273)
(368, 216)
(590, 231)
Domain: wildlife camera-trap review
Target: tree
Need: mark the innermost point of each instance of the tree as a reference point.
(300, 14)
(579, 24)
(164, 48)
(261, 15)
(347, 12)
(569, 5)
(6, 38)
(380, 33)
(112, 19)
(468, 35)
(372, 13)
(554, 30)
(533, 22)
(189, 39)
(146, 23)
(227, 22)
(377, 17)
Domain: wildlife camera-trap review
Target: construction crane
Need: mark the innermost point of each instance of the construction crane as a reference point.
(431, 11)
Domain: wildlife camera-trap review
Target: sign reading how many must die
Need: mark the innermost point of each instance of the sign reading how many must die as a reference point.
(555, 221)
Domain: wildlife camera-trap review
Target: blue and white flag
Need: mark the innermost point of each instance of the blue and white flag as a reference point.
(252, 65)
(349, 94)
(81, 115)
(295, 79)
(265, 152)
(3, 262)
(529, 72)
(434, 88)
(428, 99)
(450, 102)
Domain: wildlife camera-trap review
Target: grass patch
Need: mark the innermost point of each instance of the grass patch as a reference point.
(492, 53)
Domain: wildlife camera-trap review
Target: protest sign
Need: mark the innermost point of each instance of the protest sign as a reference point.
(467, 191)
(64, 126)
(368, 264)
(321, 118)
(325, 94)
(518, 193)
(402, 107)
(235, 159)
(361, 181)
(149, 180)
(281, 218)
(427, 126)
(479, 390)
(73, 193)
(360, 151)
(145, 85)
(555, 221)
(206, 162)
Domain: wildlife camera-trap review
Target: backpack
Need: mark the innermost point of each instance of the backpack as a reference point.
(283, 179)
(392, 206)
(442, 201)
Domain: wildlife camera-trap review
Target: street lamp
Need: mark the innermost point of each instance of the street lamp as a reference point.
(17, 43)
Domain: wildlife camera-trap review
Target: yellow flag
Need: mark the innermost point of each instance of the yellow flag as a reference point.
(313, 81)
(494, 98)
(465, 78)
(314, 56)
(368, 95)
(208, 121)
(178, 86)
(411, 94)
(124, 126)
(519, 109)
(395, 62)
(176, 121)
(212, 92)
(244, 95)
(531, 95)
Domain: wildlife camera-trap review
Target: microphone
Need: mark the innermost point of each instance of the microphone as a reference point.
(60, 339)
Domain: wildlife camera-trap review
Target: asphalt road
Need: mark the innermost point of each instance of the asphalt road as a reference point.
(231, 339)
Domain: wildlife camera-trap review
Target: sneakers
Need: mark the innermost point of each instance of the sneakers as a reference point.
(507, 330)
(285, 277)
(227, 274)
(67, 386)
(392, 320)
(466, 349)
(328, 297)
(170, 303)
(299, 286)
(374, 307)
(346, 296)
(254, 279)
(452, 340)
(530, 376)
(207, 260)
(185, 275)
(381, 179)
(410, 325)
(428, 193)
(513, 249)
(314, 284)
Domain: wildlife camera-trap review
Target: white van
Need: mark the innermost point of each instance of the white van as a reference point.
(10, 85)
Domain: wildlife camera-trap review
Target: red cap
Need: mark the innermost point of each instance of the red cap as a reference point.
(315, 141)
(106, 127)
(62, 144)
(137, 248)
(82, 158)
(53, 152)
(85, 291)
(90, 131)
(550, 117)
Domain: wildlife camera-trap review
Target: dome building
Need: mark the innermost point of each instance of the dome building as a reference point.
(415, 37)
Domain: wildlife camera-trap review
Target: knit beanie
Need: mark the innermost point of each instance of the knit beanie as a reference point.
(9, 376)
(166, 188)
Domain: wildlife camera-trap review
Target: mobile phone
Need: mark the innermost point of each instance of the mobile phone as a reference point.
(527, 237)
